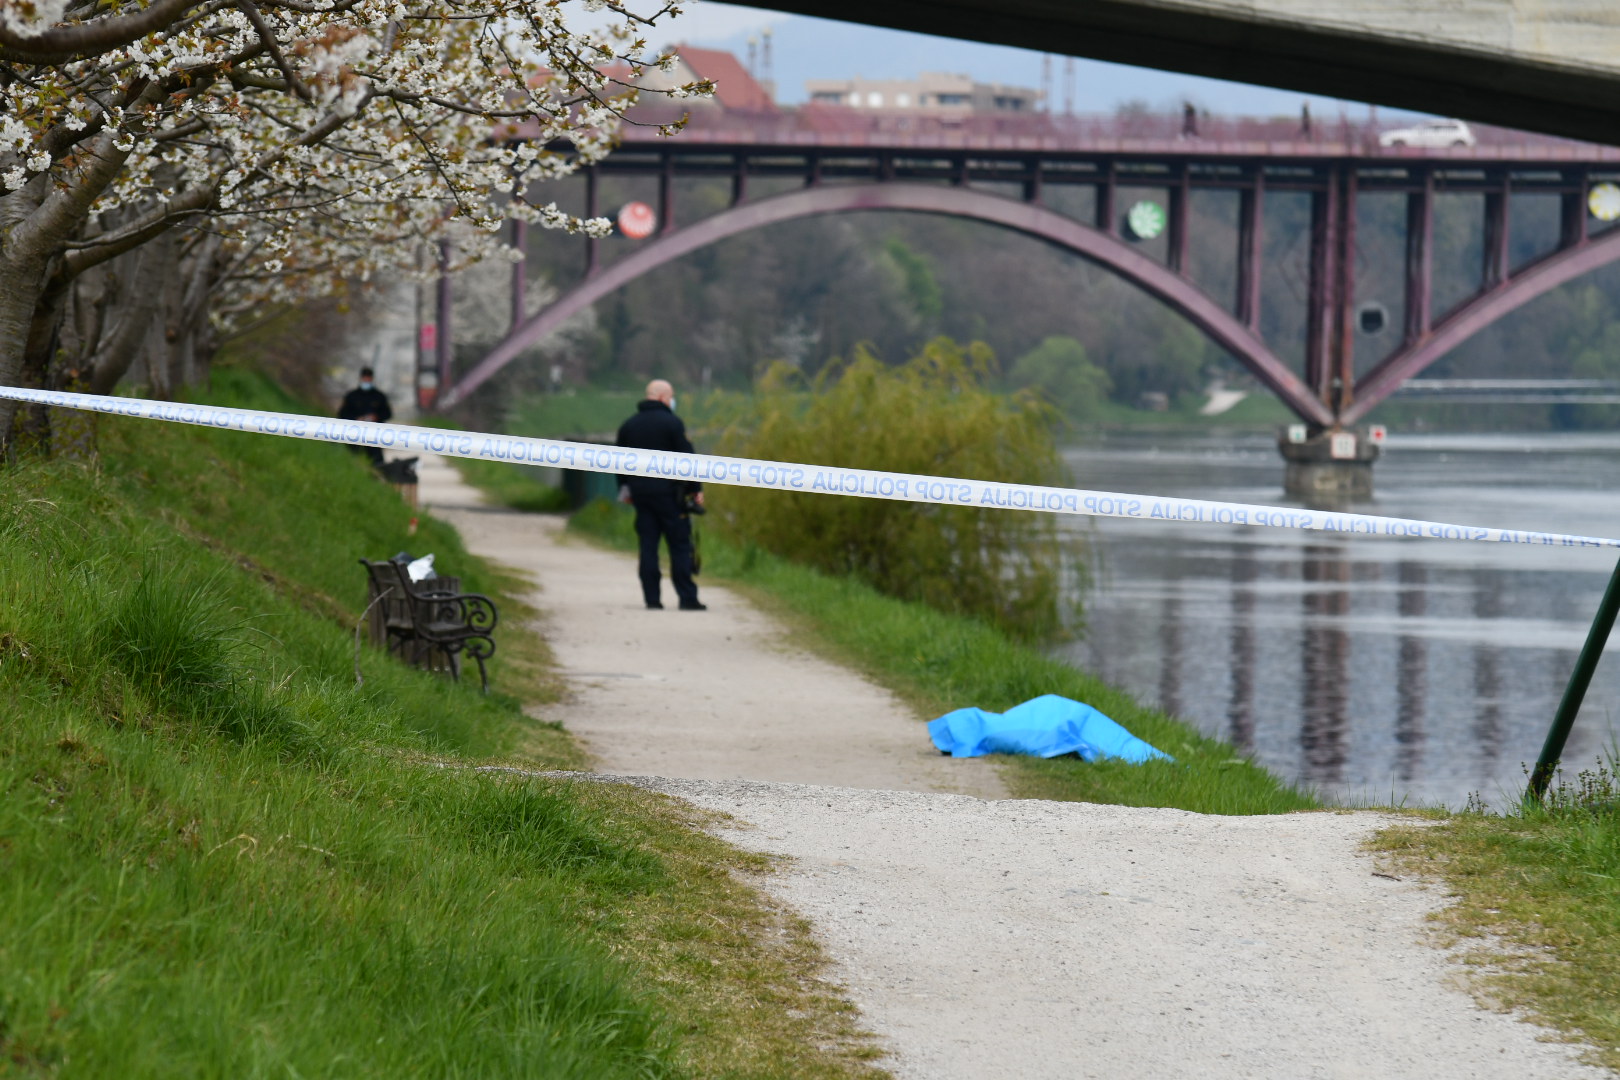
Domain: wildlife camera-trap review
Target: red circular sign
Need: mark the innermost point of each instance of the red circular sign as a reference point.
(637, 220)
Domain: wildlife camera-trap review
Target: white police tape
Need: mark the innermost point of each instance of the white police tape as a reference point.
(787, 476)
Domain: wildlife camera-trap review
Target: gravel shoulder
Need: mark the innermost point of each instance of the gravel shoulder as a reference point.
(984, 937)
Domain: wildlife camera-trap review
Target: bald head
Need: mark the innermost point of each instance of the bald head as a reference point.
(660, 390)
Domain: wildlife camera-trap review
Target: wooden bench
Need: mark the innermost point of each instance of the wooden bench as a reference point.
(430, 623)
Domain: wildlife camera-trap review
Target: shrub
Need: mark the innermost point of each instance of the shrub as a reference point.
(930, 415)
(1059, 368)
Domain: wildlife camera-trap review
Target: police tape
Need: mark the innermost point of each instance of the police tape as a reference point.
(788, 476)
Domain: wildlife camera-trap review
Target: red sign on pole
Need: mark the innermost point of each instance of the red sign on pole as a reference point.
(429, 338)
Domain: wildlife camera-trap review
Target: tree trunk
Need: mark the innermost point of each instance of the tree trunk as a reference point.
(23, 275)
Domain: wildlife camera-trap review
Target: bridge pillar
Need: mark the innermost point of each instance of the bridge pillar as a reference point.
(1328, 463)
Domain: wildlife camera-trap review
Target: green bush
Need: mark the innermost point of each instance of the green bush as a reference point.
(931, 415)
(1059, 369)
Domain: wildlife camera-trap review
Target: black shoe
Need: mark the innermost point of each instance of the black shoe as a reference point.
(693, 605)
(655, 607)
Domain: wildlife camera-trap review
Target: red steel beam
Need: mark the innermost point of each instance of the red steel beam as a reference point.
(1251, 216)
(1541, 277)
(1320, 291)
(520, 271)
(1420, 261)
(1342, 384)
(965, 202)
(1497, 265)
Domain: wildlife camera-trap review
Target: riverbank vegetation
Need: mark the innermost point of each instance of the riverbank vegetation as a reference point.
(933, 416)
(223, 854)
(1536, 909)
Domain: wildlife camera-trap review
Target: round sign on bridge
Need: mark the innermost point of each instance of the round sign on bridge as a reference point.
(637, 220)
(1146, 220)
(1604, 201)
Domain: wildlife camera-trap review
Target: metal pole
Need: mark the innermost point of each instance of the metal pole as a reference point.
(1552, 751)
(446, 342)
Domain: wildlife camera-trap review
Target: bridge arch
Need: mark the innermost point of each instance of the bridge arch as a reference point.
(1028, 218)
(1474, 315)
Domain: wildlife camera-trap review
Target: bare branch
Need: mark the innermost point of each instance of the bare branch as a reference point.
(78, 41)
(269, 39)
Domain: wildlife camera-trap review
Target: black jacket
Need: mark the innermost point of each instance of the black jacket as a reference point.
(359, 402)
(656, 427)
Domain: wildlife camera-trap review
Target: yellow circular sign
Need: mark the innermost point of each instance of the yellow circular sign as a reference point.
(1604, 201)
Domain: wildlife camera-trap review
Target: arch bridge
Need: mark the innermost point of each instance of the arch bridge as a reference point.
(889, 172)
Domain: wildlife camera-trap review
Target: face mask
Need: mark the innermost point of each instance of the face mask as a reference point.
(672, 403)
(365, 384)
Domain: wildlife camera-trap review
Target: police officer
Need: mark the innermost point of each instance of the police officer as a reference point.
(366, 402)
(660, 503)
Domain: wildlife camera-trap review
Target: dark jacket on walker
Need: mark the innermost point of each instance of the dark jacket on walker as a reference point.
(660, 503)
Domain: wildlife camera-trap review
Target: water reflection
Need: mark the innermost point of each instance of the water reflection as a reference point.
(1326, 662)
(1411, 684)
(1170, 644)
(1240, 710)
(1373, 668)
(1487, 670)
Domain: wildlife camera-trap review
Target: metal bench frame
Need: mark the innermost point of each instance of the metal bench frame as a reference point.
(429, 625)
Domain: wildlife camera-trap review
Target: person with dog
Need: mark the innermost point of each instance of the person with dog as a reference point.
(662, 506)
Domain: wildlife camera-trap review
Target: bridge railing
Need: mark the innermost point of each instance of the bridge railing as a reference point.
(843, 126)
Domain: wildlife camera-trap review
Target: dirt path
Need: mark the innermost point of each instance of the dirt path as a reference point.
(715, 695)
(1017, 939)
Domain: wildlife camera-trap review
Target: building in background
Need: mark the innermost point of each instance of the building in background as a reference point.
(735, 88)
(931, 94)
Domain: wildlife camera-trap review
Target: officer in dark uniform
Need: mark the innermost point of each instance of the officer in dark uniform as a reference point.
(366, 402)
(661, 504)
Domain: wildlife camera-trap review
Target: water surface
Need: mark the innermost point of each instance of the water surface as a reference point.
(1370, 668)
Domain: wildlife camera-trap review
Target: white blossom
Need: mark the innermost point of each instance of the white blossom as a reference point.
(360, 140)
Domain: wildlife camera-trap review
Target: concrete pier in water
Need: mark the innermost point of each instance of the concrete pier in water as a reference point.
(1329, 463)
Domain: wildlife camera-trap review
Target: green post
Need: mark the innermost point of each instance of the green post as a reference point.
(1552, 751)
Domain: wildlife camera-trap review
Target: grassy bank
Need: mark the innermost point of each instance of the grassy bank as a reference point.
(941, 662)
(219, 856)
(1537, 908)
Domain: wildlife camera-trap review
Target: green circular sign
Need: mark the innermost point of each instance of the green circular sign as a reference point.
(1146, 220)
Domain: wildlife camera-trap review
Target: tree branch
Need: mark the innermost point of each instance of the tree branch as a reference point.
(61, 44)
(266, 36)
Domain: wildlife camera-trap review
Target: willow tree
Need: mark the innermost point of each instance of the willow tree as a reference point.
(293, 144)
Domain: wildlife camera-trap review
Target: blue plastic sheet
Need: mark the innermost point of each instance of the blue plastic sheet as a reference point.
(1044, 727)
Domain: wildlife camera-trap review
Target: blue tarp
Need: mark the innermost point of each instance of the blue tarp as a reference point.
(1044, 727)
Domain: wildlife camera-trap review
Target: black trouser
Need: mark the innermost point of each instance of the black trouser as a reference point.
(659, 515)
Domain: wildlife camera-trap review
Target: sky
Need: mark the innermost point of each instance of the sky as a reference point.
(805, 48)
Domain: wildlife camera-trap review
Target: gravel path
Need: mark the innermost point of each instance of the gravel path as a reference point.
(985, 939)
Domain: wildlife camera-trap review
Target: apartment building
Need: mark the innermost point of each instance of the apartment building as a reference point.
(930, 94)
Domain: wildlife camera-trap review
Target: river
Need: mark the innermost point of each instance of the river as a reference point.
(1372, 669)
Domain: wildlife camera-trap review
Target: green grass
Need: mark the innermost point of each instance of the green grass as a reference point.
(219, 856)
(940, 662)
(1537, 902)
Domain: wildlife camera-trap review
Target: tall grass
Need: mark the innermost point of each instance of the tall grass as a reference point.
(219, 856)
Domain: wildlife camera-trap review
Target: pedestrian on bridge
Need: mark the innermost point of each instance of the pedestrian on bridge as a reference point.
(662, 505)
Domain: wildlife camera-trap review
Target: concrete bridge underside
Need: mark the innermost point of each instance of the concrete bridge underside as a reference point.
(1539, 65)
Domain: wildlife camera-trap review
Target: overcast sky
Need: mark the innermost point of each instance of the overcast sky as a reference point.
(805, 48)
